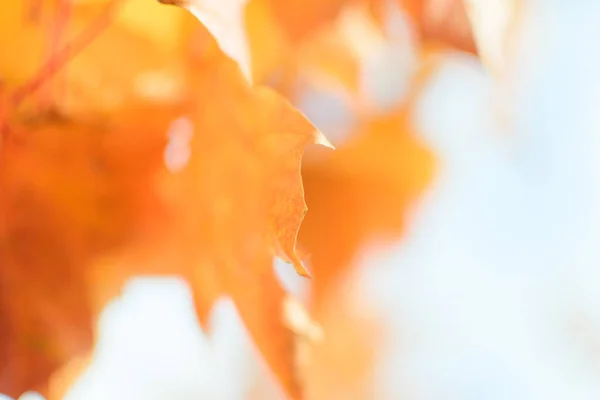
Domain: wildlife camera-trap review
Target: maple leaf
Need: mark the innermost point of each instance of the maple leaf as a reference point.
(286, 38)
(328, 55)
(240, 200)
(327, 368)
(69, 193)
(335, 55)
(327, 42)
(89, 202)
(377, 174)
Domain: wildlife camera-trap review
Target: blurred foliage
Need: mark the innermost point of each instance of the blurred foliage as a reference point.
(132, 143)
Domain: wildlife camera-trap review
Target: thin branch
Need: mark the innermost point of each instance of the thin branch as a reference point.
(67, 53)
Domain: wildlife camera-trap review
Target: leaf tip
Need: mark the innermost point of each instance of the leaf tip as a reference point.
(300, 268)
(322, 140)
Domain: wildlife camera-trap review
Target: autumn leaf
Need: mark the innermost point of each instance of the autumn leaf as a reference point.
(377, 175)
(234, 192)
(335, 56)
(201, 180)
(441, 21)
(155, 154)
(67, 195)
(240, 200)
(328, 369)
(291, 37)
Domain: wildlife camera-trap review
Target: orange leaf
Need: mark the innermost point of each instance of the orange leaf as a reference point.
(203, 182)
(240, 199)
(362, 191)
(69, 193)
(320, 39)
(443, 21)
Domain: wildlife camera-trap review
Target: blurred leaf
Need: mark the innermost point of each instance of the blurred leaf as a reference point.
(362, 192)
(239, 200)
(442, 21)
(69, 192)
(292, 37)
(201, 179)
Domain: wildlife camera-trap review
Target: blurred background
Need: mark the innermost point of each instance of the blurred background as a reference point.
(453, 234)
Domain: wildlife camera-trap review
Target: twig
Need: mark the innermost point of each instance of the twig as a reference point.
(67, 53)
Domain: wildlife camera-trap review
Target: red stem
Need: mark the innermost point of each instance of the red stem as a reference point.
(63, 14)
(57, 28)
(67, 53)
